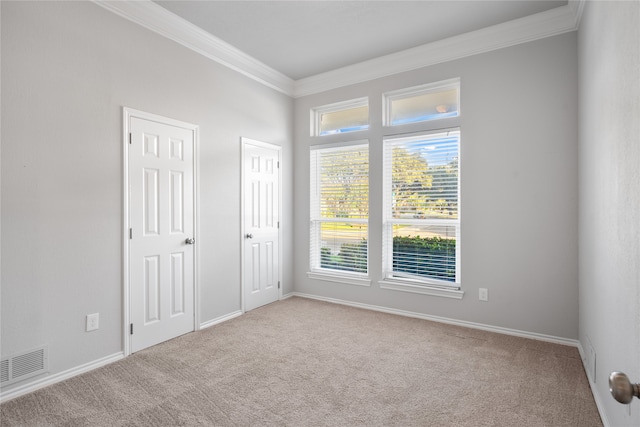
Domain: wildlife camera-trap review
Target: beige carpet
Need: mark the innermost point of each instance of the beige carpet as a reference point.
(301, 362)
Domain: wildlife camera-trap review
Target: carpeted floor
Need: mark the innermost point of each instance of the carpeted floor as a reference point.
(301, 362)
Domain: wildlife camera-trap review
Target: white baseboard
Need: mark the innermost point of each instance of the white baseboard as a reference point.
(56, 378)
(220, 319)
(235, 314)
(61, 376)
(523, 334)
(594, 390)
(45, 381)
(489, 328)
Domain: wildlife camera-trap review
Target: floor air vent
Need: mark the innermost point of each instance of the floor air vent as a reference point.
(24, 365)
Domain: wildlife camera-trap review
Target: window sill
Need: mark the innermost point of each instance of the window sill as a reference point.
(395, 285)
(349, 280)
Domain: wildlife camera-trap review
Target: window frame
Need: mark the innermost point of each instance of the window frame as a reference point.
(430, 286)
(316, 271)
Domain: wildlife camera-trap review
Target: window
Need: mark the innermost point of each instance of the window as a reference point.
(422, 103)
(418, 198)
(348, 116)
(421, 212)
(339, 209)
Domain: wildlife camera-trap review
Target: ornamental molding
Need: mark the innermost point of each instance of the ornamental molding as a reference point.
(549, 23)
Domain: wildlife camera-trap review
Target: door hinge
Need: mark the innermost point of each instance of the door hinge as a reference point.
(131, 329)
(130, 137)
(130, 233)
(278, 224)
(278, 284)
(278, 164)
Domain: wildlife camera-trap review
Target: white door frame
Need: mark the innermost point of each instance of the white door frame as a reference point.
(127, 115)
(243, 142)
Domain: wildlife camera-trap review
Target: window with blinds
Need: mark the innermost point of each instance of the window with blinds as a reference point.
(339, 195)
(341, 117)
(421, 237)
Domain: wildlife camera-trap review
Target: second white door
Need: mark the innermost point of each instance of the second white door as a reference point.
(261, 265)
(161, 265)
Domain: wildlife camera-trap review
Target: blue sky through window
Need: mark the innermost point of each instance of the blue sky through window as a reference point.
(344, 130)
(437, 151)
(425, 118)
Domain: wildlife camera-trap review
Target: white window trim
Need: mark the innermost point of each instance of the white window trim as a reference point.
(341, 144)
(389, 97)
(403, 286)
(346, 277)
(317, 112)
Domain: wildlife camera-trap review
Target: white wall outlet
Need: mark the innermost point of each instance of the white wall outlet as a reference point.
(483, 294)
(93, 321)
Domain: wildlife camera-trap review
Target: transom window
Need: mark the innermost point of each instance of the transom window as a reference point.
(433, 101)
(339, 209)
(421, 211)
(341, 117)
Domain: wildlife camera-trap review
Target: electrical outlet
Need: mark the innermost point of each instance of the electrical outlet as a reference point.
(483, 294)
(93, 321)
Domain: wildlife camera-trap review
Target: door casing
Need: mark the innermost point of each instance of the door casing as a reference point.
(127, 114)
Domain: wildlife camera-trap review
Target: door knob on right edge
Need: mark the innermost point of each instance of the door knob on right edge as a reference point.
(622, 389)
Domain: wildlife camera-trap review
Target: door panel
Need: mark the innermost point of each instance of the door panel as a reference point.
(161, 264)
(261, 224)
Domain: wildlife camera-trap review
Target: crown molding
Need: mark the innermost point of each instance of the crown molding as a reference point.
(577, 8)
(158, 19)
(534, 27)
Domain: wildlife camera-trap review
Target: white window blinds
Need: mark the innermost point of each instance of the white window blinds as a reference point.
(421, 211)
(339, 208)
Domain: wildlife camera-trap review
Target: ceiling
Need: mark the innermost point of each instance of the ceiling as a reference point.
(306, 38)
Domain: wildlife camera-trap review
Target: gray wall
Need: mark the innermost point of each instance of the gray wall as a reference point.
(609, 54)
(68, 68)
(519, 187)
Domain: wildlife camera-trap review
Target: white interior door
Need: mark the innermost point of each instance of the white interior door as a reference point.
(261, 264)
(161, 245)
